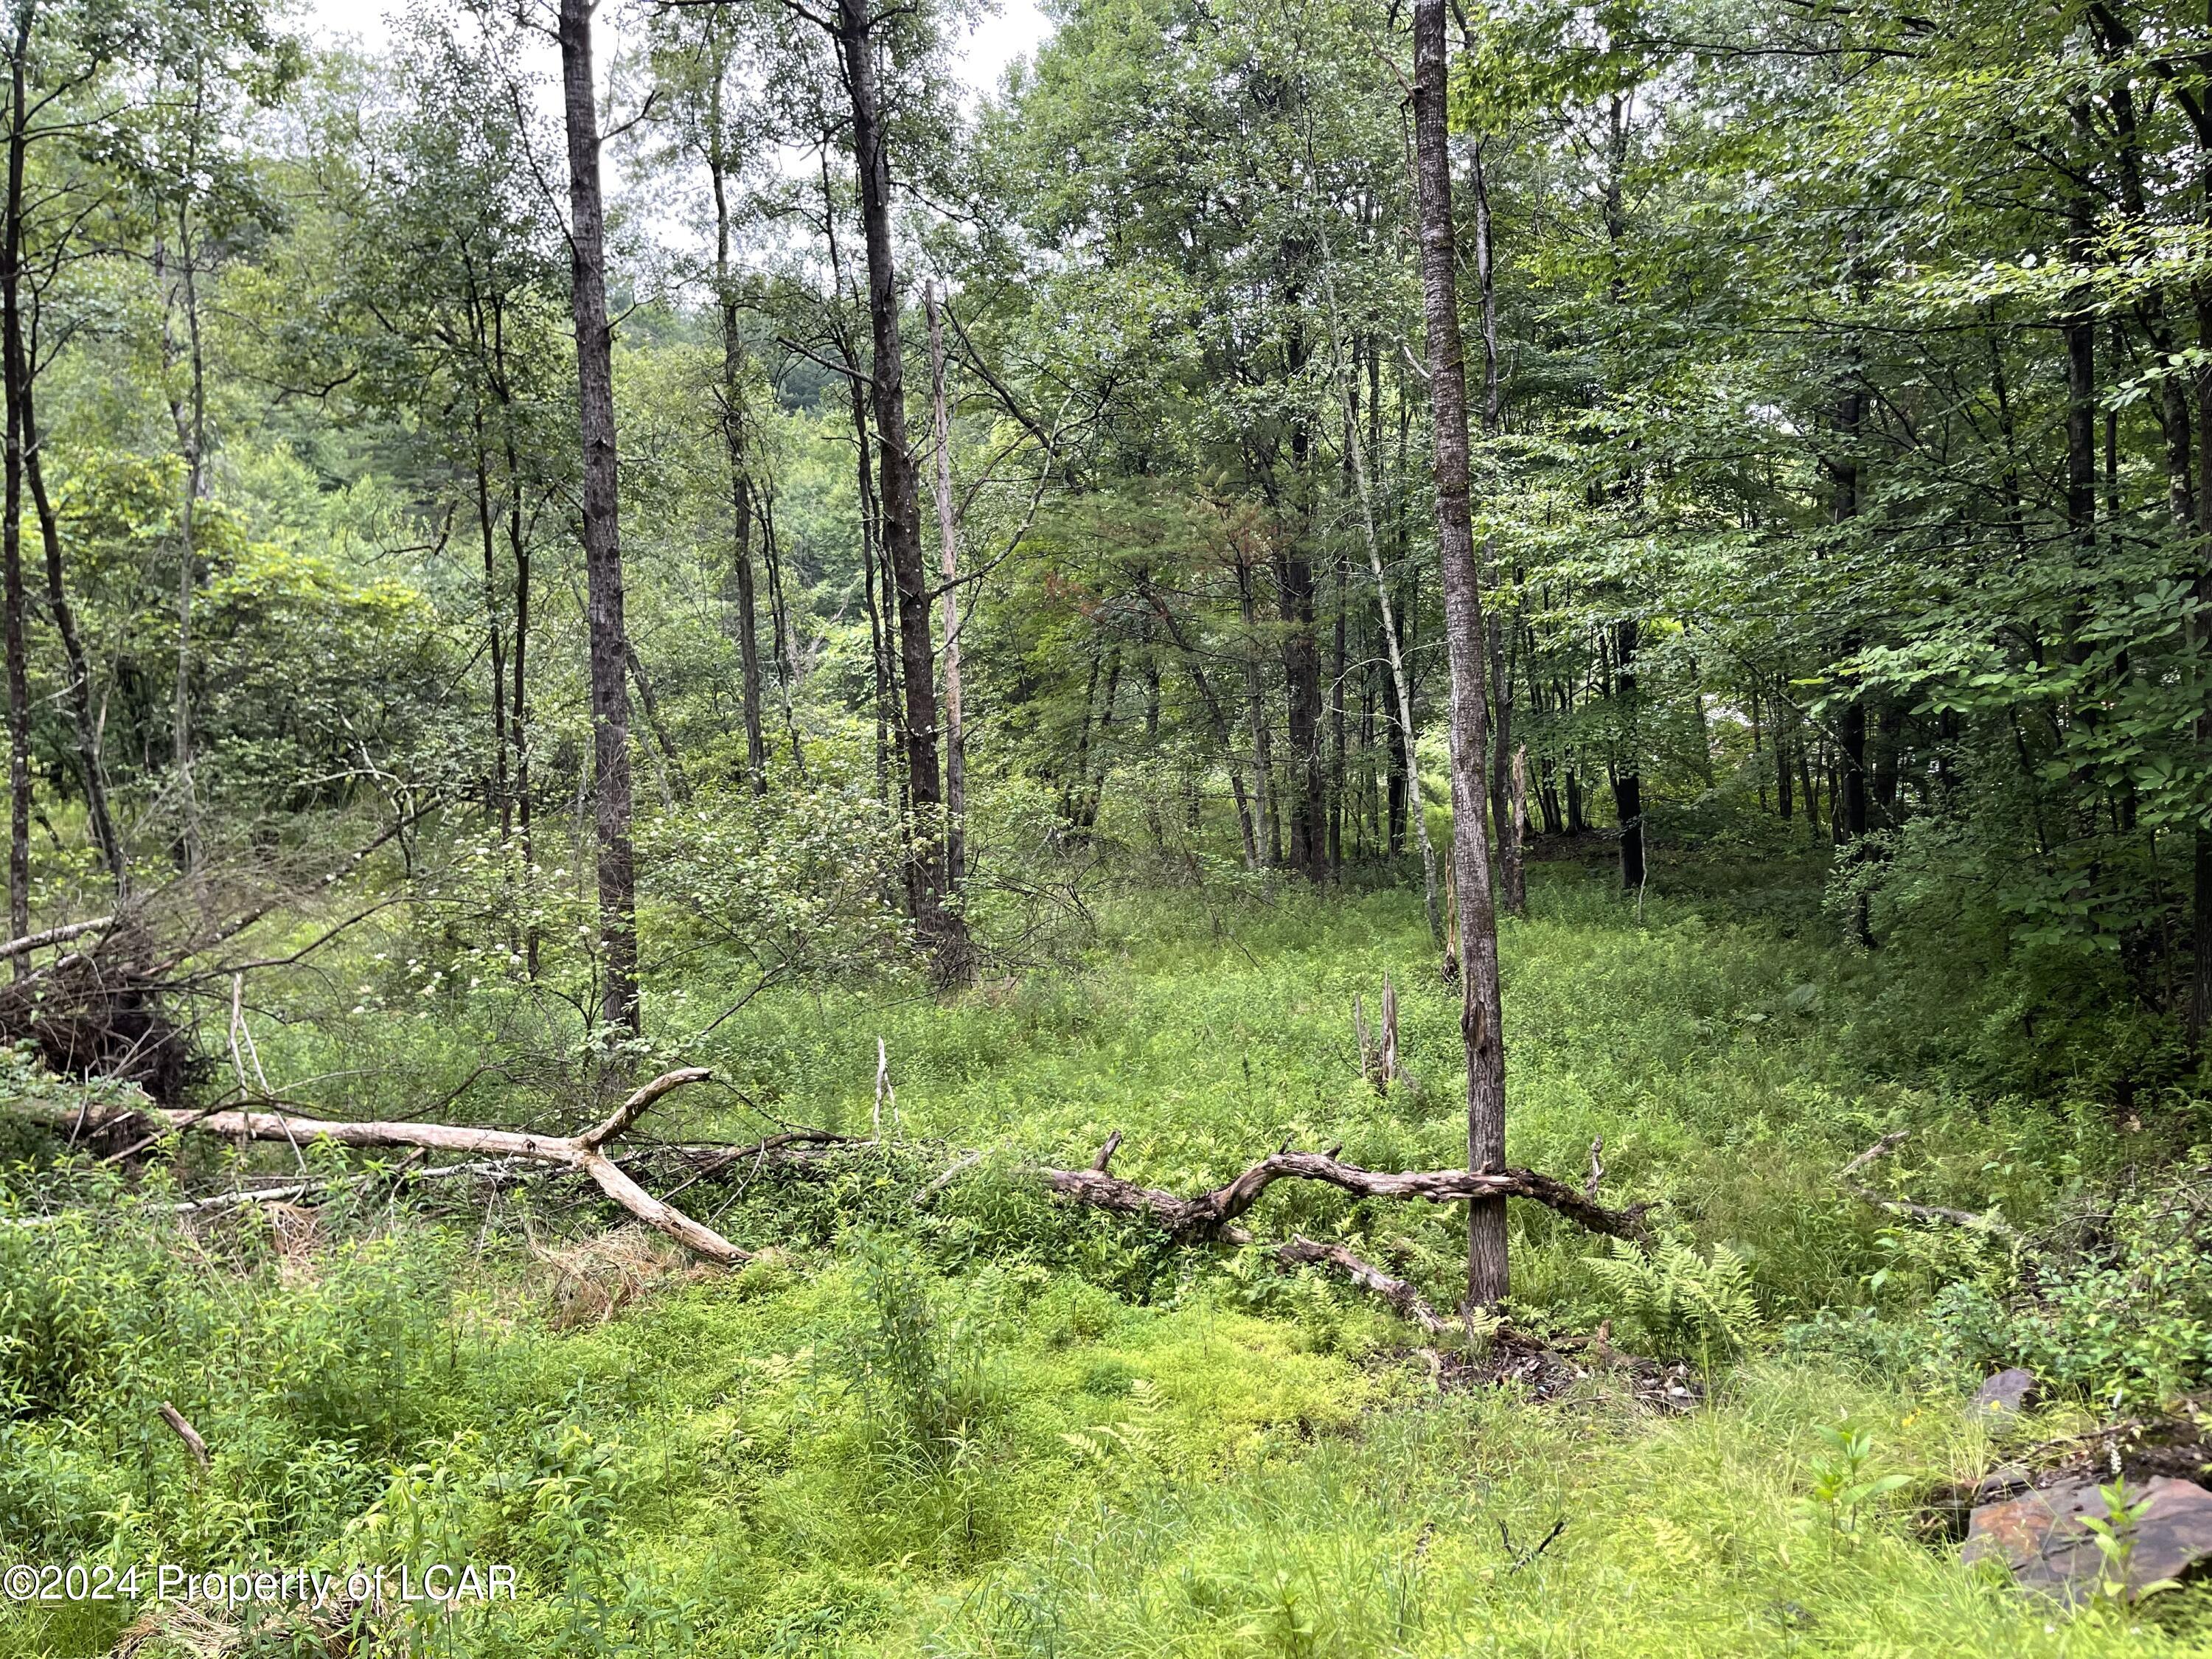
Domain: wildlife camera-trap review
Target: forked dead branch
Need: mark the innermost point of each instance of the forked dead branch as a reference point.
(1208, 1214)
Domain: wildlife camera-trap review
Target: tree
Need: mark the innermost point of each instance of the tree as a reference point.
(619, 1007)
(898, 497)
(1481, 1012)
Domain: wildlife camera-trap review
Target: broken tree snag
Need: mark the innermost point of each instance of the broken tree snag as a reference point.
(583, 1152)
(1378, 1051)
(186, 1433)
(1882, 1148)
(1208, 1215)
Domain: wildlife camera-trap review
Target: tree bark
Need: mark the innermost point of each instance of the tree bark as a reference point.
(1628, 775)
(1481, 1016)
(619, 1007)
(11, 529)
(1512, 889)
(898, 495)
(501, 805)
(733, 440)
(948, 545)
(2198, 1013)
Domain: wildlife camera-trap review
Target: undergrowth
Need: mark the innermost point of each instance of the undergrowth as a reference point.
(943, 1413)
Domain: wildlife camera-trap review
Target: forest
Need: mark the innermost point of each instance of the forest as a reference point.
(1299, 829)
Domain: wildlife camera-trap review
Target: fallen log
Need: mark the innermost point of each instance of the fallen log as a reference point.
(1888, 1143)
(1408, 1302)
(1209, 1215)
(583, 1152)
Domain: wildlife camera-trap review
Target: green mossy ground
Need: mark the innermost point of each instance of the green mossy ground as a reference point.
(994, 1426)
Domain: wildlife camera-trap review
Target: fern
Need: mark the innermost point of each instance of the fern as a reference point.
(1678, 1300)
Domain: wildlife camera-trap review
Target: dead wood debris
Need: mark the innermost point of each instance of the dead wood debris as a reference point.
(585, 1152)
(1554, 1371)
(185, 1432)
(1888, 1143)
(1209, 1215)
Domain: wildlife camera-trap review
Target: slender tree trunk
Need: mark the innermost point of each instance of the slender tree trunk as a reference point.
(11, 529)
(1404, 779)
(733, 440)
(20, 373)
(786, 644)
(1337, 724)
(948, 546)
(1512, 889)
(1481, 1017)
(500, 805)
(518, 547)
(1628, 776)
(2197, 1011)
(1302, 683)
(84, 723)
(1256, 710)
(190, 417)
(619, 1008)
(898, 497)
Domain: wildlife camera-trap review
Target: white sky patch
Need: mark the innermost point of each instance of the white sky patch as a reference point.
(984, 53)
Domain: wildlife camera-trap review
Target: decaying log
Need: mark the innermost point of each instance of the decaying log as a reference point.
(583, 1152)
(1208, 1215)
(1409, 1304)
(1888, 1143)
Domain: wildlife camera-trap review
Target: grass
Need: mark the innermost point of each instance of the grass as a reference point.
(995, 1426)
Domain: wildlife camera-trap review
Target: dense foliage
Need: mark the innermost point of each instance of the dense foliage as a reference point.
(520, 569)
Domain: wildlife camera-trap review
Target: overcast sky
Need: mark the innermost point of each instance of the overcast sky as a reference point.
(995, 42)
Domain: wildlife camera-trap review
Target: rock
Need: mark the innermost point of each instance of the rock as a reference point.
(2039, 1536)
(2006, 1480)
(2004, 1396)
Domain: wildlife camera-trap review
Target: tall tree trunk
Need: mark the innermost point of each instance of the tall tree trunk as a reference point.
(1339, 667)
(786, 650)
(11, 529)
(1627, 769)
(897, 496)
(500, 805)
(189, 416)
(2198, 1005)
(1628, 775)
(872, 524)
(734, 441)
(1481, 1015)
(1263, 759)
(1302, 658)
(84, 722)
(21, 373)
(1301, 688)
(1404, 776)
(1512, 888)
(619, 1008)
(948, 547)
(518, 547)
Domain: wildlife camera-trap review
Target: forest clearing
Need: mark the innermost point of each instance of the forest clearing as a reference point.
(1187, 827)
